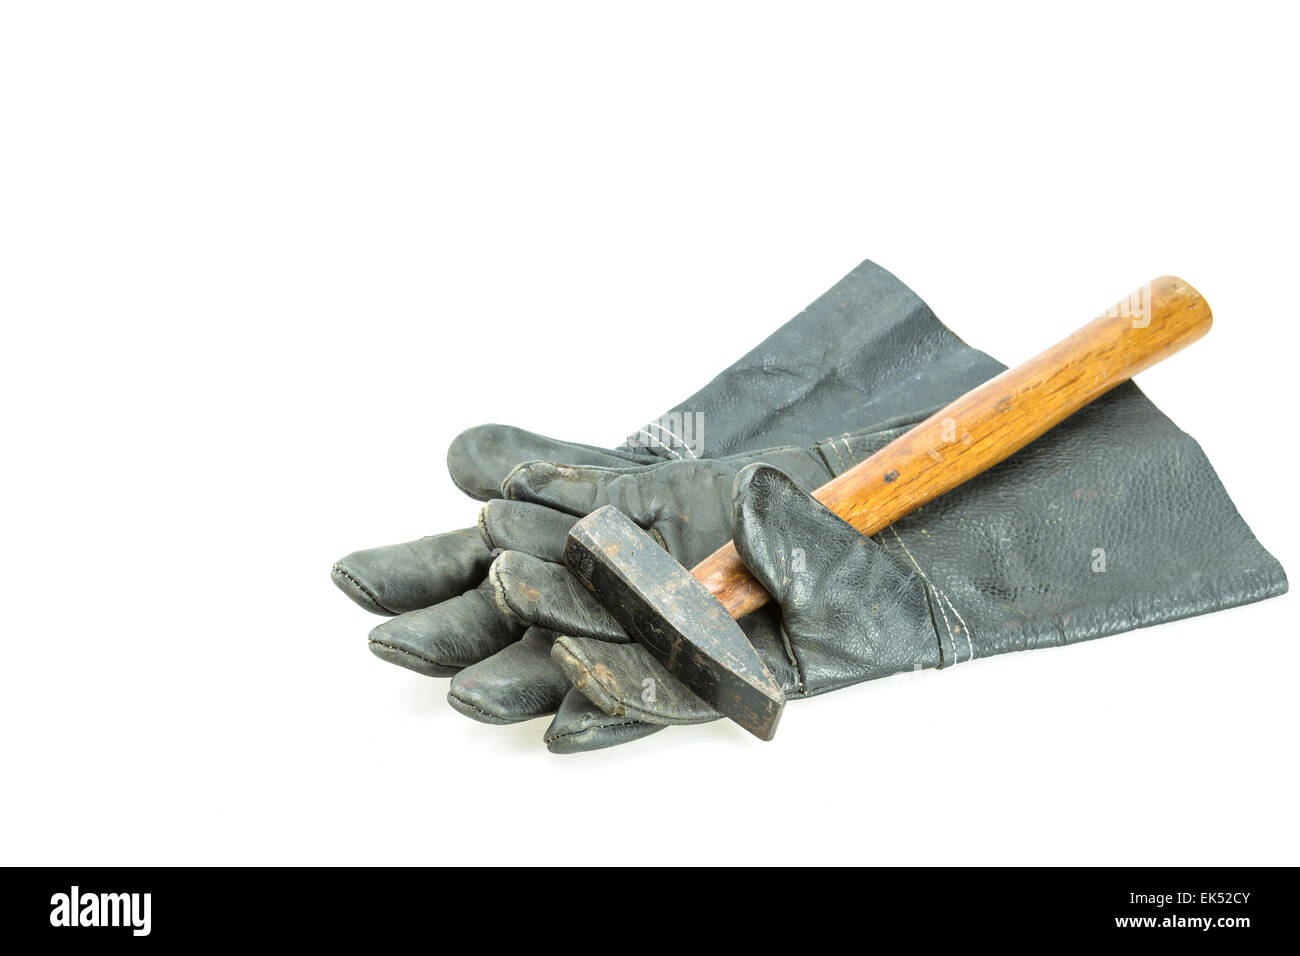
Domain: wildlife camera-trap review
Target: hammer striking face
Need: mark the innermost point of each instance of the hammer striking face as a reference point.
(675, 617)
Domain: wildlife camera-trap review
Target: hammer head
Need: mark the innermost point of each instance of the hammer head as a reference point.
(670, 613)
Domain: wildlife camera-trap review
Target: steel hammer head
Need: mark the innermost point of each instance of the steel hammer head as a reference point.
(669, 612)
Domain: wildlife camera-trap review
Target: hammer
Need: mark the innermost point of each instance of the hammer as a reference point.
(688, 619)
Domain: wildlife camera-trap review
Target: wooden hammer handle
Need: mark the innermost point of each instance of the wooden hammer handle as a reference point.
(990, 422)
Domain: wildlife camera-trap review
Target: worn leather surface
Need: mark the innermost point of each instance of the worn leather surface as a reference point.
(995, 564)
(849, 357)
(687, 506)
(866, 351)
(434, 585)
(862, 358)
(850, 610)
(684, 504)
(1114, 520)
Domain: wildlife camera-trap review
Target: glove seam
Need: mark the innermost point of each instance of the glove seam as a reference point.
(837, 456)
(499, 593)
(587, 675)
(472, 706)
(615, 722)
(369, 595)
(965, 628)
(676, 457)
(627, 709)
(898, 424)
(938, 595)
(794, 658)
(402, 650)
(484, 534)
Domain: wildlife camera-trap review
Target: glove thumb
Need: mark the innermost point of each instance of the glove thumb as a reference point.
(851, 610)
(784, 535)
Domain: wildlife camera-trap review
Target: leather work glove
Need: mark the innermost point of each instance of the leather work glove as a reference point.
(1077, 536)
(791, 389)
(685, 505)
(433, 587)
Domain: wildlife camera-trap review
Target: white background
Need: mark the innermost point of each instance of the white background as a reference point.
(260, 262)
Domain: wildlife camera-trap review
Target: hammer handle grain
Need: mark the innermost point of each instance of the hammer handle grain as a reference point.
(990, 422)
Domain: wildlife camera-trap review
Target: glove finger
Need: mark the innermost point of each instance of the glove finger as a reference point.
(517, 683)
(479, 458)
(580, 725)
(580, 490)
(415, 574)
(685, 505)
(542, 594)
(625, 680)
(523, 526)
(440, 640)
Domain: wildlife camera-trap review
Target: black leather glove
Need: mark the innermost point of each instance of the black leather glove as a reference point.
(685, 505)
(1113, 520)
(433, 587)
(852, 357)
